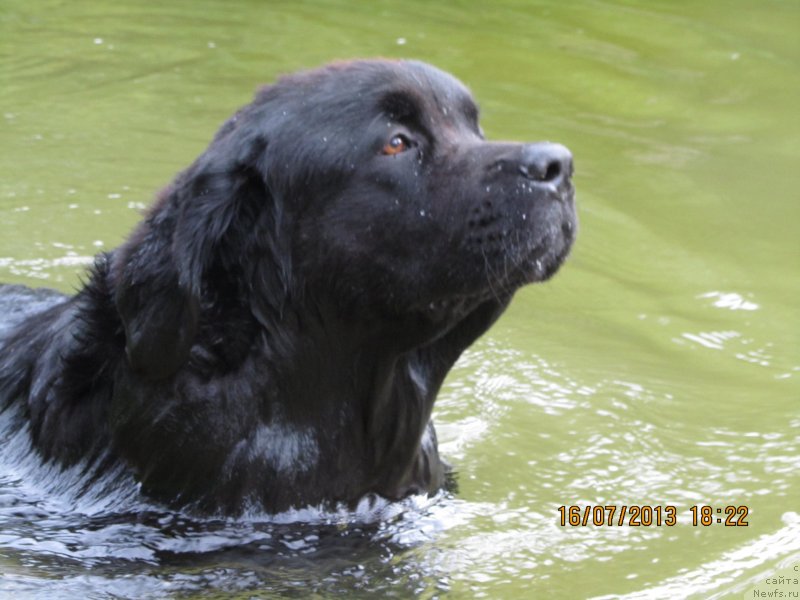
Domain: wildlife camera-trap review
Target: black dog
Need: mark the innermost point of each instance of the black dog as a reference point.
(274, 333)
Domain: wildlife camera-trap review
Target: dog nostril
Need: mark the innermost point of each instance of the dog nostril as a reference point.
(544, 173)
(545, 162)
(553, 171)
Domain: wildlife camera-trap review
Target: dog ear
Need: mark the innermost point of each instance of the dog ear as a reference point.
(218, 216)
(159, 316)
(235, 220)
(235, 223)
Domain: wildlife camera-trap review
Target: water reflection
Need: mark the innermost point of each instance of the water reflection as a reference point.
(730, 300)
(41, 268)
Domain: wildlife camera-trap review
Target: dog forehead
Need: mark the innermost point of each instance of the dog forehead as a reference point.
(435, 83)
(439, 97)
(362, 87)
(361, 75)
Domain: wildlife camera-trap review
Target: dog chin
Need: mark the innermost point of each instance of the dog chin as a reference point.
(546, 258)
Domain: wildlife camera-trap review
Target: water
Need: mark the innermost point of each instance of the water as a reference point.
(659, 368)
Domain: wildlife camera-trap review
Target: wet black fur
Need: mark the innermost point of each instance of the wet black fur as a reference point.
(275, 331)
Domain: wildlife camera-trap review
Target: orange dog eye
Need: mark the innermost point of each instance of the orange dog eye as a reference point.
(396, 145)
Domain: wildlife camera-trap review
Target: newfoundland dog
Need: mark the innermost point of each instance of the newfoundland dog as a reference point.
(274, 333)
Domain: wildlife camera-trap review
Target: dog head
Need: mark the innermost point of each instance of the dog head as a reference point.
(366, 189)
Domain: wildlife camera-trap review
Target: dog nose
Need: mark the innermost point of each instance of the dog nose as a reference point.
(546, 162)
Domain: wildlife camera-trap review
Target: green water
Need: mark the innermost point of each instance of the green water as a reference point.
(660, 367)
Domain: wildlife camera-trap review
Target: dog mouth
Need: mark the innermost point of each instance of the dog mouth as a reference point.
(509, 241)
(546, 258)
(529, 250)
(506, 265)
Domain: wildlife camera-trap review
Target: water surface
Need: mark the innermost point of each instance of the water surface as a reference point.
(660, 367)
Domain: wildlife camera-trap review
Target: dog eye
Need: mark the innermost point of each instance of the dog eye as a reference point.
(399, 143)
